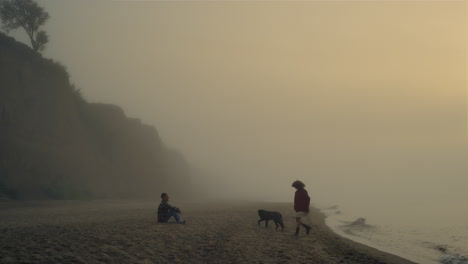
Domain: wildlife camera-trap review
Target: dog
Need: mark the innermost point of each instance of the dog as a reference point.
(267, 215)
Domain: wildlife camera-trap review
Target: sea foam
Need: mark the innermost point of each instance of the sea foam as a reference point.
(418, 243)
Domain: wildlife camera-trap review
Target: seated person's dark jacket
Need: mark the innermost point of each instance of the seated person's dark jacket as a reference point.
(163, 211)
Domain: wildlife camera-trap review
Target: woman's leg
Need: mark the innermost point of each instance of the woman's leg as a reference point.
(298, 225)
(307, 227)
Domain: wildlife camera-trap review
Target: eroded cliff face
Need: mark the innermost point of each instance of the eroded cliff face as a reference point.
(54, 144)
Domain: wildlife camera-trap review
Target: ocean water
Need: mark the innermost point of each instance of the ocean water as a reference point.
(422, 234)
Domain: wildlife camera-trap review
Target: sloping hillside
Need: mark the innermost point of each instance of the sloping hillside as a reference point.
(54, 144)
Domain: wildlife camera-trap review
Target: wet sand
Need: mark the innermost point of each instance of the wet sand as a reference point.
(127, 232)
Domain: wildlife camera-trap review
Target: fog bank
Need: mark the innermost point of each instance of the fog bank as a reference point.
(364, 101)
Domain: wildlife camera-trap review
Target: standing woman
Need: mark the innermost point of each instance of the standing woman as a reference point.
(301, 205)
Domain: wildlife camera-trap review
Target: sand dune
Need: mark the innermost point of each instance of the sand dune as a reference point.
(127, 232)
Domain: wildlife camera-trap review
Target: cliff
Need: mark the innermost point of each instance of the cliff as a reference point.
(54, 144)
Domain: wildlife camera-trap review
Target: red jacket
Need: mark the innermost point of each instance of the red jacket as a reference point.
(301, 201)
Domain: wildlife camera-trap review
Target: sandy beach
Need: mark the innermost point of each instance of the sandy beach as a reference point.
(127, 232)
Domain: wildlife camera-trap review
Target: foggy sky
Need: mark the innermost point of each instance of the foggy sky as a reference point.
(365, 101)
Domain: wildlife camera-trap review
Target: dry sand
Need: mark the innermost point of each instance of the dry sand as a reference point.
(127, 232)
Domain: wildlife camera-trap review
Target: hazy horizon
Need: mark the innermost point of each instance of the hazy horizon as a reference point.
(363, 101)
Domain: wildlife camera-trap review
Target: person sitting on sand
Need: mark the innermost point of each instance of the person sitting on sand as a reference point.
(166, 211)
(301, 205)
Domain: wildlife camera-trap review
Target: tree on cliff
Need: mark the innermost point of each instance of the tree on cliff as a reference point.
(28, 15)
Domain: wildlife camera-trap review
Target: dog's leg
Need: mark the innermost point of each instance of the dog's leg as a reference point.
(259, 221)
(276, 223)
(280, 221)
(266, 223)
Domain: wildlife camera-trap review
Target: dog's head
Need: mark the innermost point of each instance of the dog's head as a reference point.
(262, 213)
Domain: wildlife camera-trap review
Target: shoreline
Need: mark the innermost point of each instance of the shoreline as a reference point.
(335, 227)
(347, 245)
(115, 231)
